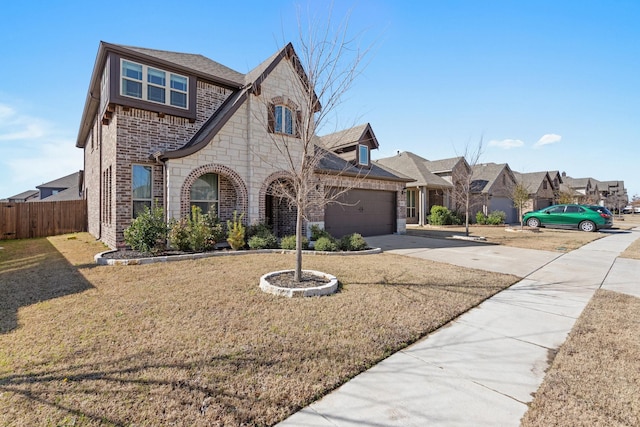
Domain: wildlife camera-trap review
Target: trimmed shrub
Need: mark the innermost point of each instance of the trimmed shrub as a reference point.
(317, 232)
(179, 234)
(148, 232)
(440, 215)
(481, 218)
(325, 244)
(357, 242)
(496, 218)
(200, 232)
(263, 242)
(289, 243)
(457, 218)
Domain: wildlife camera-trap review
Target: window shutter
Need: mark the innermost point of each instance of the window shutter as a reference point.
(298, 123)
(271, 118)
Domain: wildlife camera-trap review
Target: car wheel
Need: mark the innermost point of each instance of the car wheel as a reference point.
(587, 226)
(533, 222)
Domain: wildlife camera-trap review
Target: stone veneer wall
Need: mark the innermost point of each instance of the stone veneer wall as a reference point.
(242, 146)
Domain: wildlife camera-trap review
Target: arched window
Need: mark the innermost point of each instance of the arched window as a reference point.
(284, 119)
(204, 193)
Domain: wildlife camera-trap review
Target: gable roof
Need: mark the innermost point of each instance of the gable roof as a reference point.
(24, 196)
(189, 61)
(337, 141)
(331, 163)
(576, 182)
(555, 174)
(68, 181)
(485, 175)
(415, 167)
(532, 180)
(443, 165)
(222, 115)
(71, 193)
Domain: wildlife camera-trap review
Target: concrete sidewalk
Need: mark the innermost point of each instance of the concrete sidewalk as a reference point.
(482, 368)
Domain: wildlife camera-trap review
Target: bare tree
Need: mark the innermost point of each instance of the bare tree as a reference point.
(463, 186)
(327, 61)
(520, 196)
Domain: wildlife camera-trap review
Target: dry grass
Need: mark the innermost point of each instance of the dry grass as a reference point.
(196, 342)
(595, 378)
(633, 251)
(546, 239)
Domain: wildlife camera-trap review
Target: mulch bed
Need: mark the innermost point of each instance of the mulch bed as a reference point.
(285, 280)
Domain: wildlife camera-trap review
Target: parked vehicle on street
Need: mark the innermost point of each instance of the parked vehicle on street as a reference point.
(631, 209)
(582, 217)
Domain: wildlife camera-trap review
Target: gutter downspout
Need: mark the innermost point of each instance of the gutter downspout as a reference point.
(249, 217)
(99, 177)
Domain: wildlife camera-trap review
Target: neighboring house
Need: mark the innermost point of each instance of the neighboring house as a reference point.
(180, 130)
(25, 196)
(613, 195)
(540, 187)
(454, 170)
(426, 188)
(492, 188)
(556, 179)
(586, 188)
(65, 188)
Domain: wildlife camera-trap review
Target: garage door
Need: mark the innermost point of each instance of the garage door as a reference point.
(505, 205)
(368, 212)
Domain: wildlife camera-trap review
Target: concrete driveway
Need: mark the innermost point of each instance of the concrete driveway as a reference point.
(466, 253)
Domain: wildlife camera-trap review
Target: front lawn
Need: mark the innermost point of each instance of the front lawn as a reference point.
(196, 343)
(547, 239)
(595, 377)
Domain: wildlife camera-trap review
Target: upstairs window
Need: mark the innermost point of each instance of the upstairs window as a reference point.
(284, 117)
(283, 120)
(363, 155)
(154, 85)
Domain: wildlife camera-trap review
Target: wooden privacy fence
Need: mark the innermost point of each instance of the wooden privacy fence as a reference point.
(41, 219)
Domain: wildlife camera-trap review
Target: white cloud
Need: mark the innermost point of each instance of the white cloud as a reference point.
(15, 126)
(32, 151)
(506, 143)
(550, 138)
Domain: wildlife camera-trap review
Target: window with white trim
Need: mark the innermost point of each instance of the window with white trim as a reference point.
(411, 203)
(284, 120)
(141, 184)
(204, 193)
(154, 85)
(363, 155)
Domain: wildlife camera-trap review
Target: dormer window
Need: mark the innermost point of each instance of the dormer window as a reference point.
(154, 85)
(363, 155)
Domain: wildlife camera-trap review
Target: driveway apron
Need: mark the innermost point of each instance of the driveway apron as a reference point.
(483, 367)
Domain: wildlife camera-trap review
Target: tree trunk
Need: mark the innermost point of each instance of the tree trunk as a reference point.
(466, 217)
(298, 273)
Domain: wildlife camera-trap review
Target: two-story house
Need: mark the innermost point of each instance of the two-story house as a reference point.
(179, 130)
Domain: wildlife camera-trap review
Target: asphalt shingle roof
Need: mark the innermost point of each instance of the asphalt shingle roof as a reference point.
(415, 167)
(346, 137)
(192, 61)
(68, 181)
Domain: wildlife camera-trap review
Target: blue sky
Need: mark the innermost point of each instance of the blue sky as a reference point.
(547, 85)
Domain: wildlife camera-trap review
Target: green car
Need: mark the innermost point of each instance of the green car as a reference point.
(583, 217)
